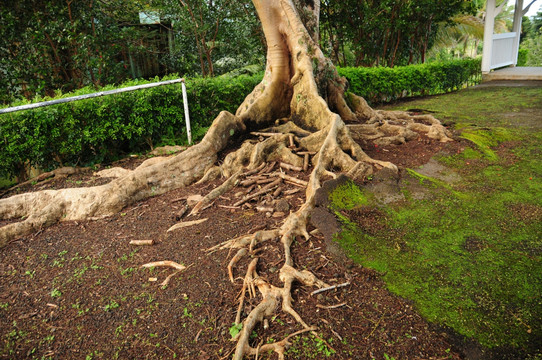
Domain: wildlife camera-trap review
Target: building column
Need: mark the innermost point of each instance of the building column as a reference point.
(488, 35)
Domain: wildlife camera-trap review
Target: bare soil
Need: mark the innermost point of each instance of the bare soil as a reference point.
(76, 290)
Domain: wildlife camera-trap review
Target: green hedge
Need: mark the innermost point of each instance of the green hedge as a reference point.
(523, 54)
(382, 84)
(101, 129)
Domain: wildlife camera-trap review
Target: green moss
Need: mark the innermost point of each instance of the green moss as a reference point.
(474, 262)
(348, 196)
(485, 139)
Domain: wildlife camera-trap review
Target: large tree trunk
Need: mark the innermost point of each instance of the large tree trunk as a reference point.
(301, 95)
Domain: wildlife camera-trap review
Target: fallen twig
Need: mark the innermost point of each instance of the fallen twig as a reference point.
(292, 179)
(290, 167)
(264, 190)
(184, 224)
(229, 207)
(168, 278)
(292, 191)
(254, 171)
(166, 263)
(256, 133)
(142, 242)
(306, 162)
(330, 288)
(330, 306)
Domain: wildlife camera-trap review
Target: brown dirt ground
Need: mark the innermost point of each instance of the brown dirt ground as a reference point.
(75, 290)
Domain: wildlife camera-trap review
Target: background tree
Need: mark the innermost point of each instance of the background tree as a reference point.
(388, 32)
(64, 45)
(462, 35)
(532, 40)
(211, 34)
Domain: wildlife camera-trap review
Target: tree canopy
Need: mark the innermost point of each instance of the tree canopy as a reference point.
(64, 45)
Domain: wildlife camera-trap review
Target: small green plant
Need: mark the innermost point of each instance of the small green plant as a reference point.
(30, 273)
(127, 271)
(118, 330)
(311, 347)
(235, 329)
(111, 306)
(55, 293)
(186, 313)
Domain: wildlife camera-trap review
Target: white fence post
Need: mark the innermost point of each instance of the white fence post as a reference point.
(186, 114)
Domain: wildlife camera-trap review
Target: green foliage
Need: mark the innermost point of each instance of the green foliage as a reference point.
(310, 347)
(386, 32)
(48, 45)
(235, 329)
(533, 47)
(522, 56)
(102, 129)
(381, 84)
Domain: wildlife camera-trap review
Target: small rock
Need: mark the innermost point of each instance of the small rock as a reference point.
(268, 214)
(193, 200)
(282, 205)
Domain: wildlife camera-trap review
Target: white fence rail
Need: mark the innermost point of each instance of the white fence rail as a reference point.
(503, 50)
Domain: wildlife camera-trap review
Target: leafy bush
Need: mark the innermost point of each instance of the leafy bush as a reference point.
(522, 57)
(102, 129)
(381, 84)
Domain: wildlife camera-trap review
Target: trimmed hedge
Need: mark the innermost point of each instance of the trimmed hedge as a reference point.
(382, 84)
(102, 129)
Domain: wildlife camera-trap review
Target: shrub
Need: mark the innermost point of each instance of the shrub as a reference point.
(102, 129)
(382, 84)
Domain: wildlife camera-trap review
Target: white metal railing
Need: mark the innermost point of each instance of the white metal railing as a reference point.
(503, 50)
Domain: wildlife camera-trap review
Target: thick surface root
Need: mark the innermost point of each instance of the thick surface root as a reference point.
(152, 178)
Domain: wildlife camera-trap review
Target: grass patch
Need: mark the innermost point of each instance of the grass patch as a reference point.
(471, 262)
(485, 139)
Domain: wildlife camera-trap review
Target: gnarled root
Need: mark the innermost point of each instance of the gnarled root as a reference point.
(44, 208)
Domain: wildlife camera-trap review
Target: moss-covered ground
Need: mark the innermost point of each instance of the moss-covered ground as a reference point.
(469, 256)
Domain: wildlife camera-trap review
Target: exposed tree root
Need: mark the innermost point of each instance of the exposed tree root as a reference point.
(45, 177)
(292, 125)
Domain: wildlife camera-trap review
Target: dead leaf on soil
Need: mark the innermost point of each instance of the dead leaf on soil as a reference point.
(184, 224)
